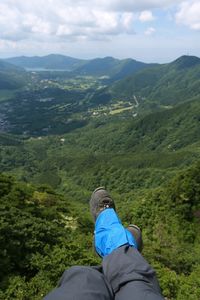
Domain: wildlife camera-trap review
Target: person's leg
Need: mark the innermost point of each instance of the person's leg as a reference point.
(82, 283)
(130, 276)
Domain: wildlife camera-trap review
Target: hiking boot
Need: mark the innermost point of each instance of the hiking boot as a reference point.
(99, 201)
(137, 234)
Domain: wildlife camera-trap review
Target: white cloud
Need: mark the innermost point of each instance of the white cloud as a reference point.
(90, 27)
(84, 19)
(61, 18)
(34, 24)
(189, 14)
(150, 31)
(146, 16)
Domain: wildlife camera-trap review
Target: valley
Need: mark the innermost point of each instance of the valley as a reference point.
(62, 102)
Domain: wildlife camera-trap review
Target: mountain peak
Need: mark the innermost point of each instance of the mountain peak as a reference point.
(186, 61)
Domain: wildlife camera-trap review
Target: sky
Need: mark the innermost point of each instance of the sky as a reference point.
(145, 30)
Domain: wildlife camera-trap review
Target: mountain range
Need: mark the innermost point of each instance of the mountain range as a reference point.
(156, 87)
(107, 66)
(165, 84)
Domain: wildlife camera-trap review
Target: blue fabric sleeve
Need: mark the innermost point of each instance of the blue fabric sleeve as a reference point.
(110, 233)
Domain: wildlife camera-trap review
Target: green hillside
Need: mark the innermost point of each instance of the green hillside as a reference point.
(169, 130)
(11, 77)
(165, 84)
(141, 148)
(8, 67)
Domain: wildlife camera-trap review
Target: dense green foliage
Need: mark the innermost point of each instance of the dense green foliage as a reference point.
(41, 234)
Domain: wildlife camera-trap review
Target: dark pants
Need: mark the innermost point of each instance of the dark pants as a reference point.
(124, 275)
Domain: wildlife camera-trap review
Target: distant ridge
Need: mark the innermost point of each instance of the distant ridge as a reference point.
(11, 76)
(114, 68)
(111, 67)
(52, 61)
(9, 67)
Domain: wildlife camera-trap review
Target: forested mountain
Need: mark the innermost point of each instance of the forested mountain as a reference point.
(11, 77)
(111, 67)
(52, 61)
(61, 136)
(173, 128)
(166, 84)
(8, 67)
(164, 141)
